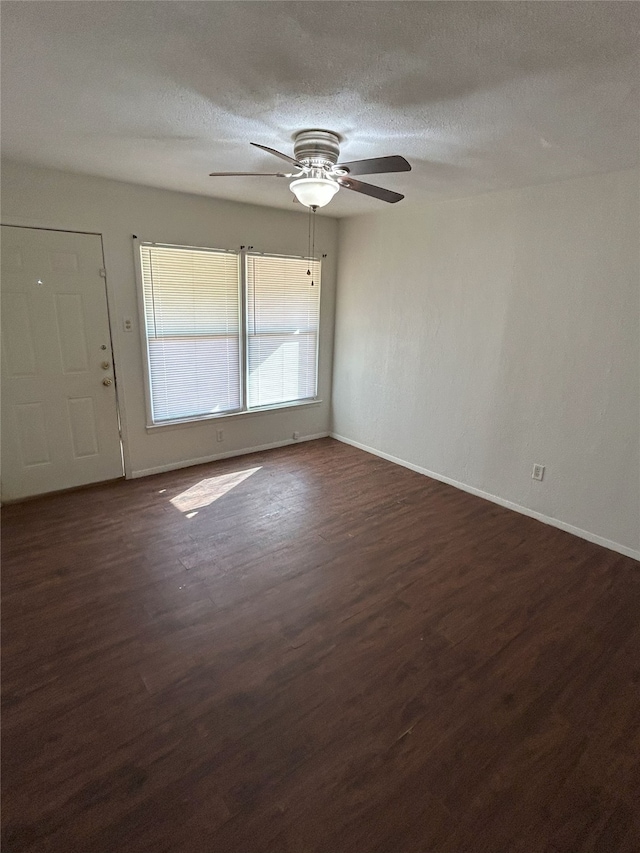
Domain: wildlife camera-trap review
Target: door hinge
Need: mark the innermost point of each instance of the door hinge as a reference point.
(103, 272)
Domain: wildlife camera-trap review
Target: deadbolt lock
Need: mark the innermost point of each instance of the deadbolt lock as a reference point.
(105, 365)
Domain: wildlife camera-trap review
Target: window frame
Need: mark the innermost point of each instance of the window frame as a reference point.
(244, 410)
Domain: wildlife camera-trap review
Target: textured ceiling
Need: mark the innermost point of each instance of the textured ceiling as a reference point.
(477, 95)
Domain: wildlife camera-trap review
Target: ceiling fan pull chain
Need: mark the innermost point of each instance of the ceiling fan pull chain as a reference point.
(313, 250)
(309, 243)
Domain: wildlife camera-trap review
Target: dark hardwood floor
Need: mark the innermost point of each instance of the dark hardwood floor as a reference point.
(312, 649)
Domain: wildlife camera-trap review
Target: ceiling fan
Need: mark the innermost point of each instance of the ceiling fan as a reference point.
(318, 176)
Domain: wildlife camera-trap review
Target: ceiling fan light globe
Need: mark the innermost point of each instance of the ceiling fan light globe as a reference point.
(314, 192)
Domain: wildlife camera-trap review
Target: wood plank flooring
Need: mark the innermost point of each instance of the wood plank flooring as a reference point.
(312, 650)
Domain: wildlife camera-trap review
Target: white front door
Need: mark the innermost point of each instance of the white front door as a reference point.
(59, 413)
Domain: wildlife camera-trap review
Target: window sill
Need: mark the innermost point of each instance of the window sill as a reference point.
(184, 422)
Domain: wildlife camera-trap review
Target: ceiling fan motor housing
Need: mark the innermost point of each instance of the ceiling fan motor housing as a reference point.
(317, 147)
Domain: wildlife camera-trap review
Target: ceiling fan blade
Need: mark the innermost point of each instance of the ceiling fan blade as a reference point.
(247, 174)
(376, 166)
(277, 154)
(369, 189)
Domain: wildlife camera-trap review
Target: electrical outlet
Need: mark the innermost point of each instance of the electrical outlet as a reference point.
(537, 472)
(127, 324)
(220, 435)
(296, 434)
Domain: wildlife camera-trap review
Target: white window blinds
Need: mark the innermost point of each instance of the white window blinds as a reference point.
(192, 317)
(283, 314)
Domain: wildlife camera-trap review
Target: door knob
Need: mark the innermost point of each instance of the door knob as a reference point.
(107, 381)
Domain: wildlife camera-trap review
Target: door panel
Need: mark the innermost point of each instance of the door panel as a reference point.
(82, 423)
(59, 421)
(17, 336)
(71, 338)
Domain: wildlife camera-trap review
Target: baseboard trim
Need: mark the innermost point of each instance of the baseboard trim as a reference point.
(545, 519)
(228, 454)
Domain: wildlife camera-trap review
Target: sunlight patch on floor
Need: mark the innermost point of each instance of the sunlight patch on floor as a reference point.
(207, 491)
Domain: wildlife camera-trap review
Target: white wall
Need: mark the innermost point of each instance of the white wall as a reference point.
(50, 199)
(476, 337)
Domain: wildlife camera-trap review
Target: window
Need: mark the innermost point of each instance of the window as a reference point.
(283, 314)
(192, 321)
(227, 332)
